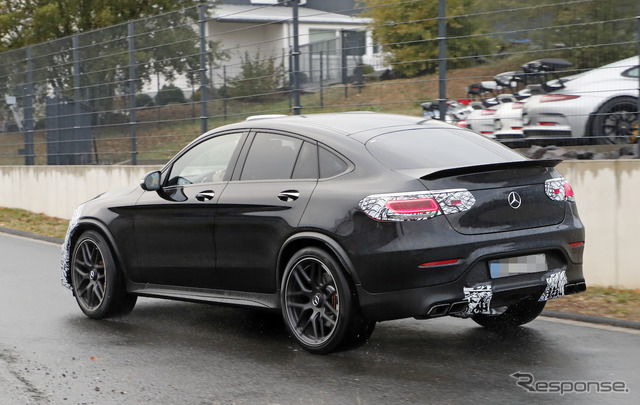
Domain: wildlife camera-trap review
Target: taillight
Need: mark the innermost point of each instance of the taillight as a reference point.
(548, 98)
(568, 191)
(559, 189)
(487, 111)
(517, 105)
(415, 206)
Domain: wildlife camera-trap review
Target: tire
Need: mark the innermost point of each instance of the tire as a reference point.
(97, 283)
(319, 306)
(512, 316)
(616, 121)
(359, 335)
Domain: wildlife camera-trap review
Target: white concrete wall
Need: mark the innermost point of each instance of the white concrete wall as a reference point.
(56, 190)
(607, 192)
(608, 197)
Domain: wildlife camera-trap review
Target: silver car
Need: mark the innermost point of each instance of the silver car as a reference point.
(599, 103)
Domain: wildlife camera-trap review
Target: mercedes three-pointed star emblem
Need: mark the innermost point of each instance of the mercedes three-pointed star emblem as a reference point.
(514, 200)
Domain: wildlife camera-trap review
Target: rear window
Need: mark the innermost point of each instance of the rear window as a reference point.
(437, 148)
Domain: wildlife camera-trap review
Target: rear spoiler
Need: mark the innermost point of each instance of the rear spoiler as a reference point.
(520, 164)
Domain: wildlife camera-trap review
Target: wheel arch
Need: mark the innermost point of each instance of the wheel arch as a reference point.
(313, 239)
(91, 224)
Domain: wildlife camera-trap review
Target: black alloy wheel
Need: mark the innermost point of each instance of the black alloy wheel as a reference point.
(97, 285)
(317, 302)
(616, 122)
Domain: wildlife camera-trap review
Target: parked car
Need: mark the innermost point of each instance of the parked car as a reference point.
(338, 221)
(482, 120)
(599, 103)
(538, 76)
(507, 120)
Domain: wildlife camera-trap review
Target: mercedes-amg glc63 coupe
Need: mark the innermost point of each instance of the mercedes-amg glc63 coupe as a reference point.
(338, 221)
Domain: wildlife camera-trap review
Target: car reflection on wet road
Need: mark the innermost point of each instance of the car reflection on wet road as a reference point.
(173, 352)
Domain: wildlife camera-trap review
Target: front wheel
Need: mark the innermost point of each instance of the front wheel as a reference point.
(512, 316)
(318, 305)
(97, 284)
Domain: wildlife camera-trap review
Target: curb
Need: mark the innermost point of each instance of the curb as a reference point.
(592, 319)
(31, 235)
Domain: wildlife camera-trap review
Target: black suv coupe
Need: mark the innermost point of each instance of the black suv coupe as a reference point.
(339, 221)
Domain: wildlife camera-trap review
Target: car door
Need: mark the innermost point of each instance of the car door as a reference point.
(261, 207)
(174, 226)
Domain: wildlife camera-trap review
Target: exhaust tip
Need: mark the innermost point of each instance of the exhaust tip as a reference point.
(435, 311)
(575, 288)
(459, 307)
(438, 310)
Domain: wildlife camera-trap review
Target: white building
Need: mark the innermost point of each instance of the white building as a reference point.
(265, 30)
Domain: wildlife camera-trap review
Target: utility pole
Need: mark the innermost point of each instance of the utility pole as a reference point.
(637, 128)
(442, 58)
(296, 61)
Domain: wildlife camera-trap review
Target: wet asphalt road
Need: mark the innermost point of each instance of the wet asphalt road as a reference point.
(170, 352)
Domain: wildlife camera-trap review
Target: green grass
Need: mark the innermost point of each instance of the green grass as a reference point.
(40, 224)
(615, 295)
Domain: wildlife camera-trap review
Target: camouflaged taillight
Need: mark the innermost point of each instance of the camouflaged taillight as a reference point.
(559, 189)
(415, 206)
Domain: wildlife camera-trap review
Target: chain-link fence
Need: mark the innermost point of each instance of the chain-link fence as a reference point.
(138, 92)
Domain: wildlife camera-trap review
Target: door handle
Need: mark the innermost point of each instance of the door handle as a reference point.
(205, 195)
(289, 195)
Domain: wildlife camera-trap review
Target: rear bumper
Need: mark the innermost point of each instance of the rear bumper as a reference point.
(455, 299)
(392, 285)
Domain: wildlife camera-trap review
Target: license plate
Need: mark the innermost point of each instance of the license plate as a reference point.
(514, 266)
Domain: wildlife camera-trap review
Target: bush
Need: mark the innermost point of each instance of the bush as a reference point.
(144, 100)
(170, 94)
(258, 79)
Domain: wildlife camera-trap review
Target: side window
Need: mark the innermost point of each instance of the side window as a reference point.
(206, 162)
(307, 163)
(633, 72)
(272, 156)
(330, 164)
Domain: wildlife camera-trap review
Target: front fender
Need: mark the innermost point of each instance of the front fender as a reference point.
(77, 225)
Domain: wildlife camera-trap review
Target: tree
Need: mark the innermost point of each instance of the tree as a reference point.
(587, 33)
(165, 45)
(24, 22)
(409, 32)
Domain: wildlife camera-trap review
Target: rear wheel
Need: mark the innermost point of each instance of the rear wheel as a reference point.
(97, 284)
(319, 306)
(514, 315)
(616, 122)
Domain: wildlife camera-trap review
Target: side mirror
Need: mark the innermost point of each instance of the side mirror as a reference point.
(151, 181)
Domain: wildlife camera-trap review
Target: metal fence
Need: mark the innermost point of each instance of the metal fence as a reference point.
(138, 92)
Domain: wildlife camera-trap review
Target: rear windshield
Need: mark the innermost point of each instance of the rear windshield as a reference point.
(437, 148)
